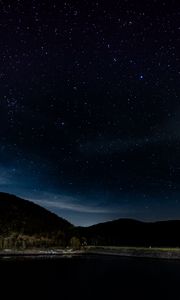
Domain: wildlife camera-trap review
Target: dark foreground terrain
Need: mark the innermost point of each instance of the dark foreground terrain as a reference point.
(89, 277)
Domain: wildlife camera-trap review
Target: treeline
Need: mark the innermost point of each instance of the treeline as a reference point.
(22, 241)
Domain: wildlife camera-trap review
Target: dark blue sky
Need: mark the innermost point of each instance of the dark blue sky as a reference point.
(90, 107)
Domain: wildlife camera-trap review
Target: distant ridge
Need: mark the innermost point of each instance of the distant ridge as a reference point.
(129, 232)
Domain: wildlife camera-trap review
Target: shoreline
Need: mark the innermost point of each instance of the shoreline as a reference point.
(37, 252)
(136, 252)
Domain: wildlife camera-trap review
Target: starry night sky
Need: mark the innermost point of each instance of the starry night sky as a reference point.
(90, 107)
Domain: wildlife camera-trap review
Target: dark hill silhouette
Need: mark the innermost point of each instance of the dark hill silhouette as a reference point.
(29, 221)
(127, 232)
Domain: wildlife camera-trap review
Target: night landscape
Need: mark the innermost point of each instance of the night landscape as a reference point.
(90, 149)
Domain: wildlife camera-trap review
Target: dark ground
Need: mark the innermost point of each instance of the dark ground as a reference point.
(89, 277)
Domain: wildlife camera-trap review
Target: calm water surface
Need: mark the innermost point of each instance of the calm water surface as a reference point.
(89, 277)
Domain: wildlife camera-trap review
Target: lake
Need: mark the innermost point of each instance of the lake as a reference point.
(89, 277)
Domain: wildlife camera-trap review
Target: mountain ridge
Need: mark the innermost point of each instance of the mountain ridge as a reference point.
(26, 224)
